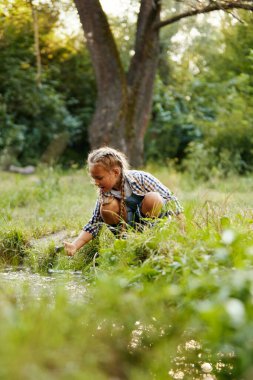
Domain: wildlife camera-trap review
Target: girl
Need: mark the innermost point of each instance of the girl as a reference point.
(125, 196)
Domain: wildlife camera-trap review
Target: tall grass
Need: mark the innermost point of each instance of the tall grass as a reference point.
(160, 304)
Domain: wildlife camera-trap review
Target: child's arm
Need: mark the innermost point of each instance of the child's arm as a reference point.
(90, 230)
(83, 238)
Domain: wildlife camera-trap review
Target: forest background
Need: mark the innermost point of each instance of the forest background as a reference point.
(202, 108)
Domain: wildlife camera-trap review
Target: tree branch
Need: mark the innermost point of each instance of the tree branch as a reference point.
(213, 6)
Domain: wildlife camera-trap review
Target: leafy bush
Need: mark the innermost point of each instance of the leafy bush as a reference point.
(227, 144)
(33, 114)
(171, 128)
(205, 162)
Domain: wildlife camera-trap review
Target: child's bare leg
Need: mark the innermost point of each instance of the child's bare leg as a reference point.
(152, 205)
(110, 212)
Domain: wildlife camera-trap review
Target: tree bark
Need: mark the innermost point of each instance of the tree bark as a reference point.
(124, 99)
(140, 79)
(106, 127)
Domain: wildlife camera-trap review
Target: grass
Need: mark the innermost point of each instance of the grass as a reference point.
(35, 207)
(160, 303)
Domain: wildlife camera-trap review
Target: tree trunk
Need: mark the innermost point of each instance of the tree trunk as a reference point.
(140, 79)
(124, 100)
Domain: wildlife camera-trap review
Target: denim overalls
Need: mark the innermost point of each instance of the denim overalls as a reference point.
(133, 209)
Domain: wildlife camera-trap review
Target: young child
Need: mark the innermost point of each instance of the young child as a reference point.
(125, 196)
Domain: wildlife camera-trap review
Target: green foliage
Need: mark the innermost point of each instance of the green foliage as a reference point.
(70, 72)
(148, 318)
(203, 114)
(33, 115)
(227, 146)
(171, 129)
(224, 86)
(156, 304)
(44, 116)
(13, 245)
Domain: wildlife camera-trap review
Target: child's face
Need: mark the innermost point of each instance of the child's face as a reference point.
(104, 178)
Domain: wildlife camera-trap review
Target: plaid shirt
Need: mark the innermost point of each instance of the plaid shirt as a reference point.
(140, 183)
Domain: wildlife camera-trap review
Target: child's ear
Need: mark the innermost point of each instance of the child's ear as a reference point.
(117, 170)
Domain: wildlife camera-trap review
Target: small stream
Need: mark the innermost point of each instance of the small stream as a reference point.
(15, 280)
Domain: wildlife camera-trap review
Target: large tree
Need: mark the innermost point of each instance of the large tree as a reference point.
(124, 98)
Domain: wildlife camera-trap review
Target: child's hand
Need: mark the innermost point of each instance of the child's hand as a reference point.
(70, 248)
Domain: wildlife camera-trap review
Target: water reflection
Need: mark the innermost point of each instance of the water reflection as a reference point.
(15, 281)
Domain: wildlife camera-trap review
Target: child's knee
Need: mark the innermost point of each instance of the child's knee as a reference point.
(152, 204)
(111, 212)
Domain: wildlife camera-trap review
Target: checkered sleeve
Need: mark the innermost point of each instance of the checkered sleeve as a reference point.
(151, 183)
(95, 223)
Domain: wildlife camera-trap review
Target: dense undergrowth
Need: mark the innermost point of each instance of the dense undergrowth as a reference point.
(160, 304)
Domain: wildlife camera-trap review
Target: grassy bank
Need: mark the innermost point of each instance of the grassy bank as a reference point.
(38, 212)
(161, 304)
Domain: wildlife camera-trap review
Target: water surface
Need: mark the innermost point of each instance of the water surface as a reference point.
(16, 281)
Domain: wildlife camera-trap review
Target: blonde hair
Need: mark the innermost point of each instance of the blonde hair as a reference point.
(110, 158)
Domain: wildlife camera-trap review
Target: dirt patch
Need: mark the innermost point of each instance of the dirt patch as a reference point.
(57, 238)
